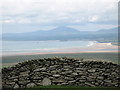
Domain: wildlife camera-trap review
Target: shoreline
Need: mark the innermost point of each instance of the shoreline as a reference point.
(24, 54)
(95, 48)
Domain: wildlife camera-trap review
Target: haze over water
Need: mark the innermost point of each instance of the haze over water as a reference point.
(17, 47)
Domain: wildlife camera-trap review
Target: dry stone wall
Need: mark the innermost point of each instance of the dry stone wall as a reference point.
(61, 71)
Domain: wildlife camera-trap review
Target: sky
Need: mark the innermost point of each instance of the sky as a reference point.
(31, 15)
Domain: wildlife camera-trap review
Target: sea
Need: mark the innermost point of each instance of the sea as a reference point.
(18, 47)
(13, 52)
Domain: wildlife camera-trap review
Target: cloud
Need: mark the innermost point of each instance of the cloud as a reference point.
(92, 27)
(94, 18)
(59, 12)
(24, 21)
(8, 21)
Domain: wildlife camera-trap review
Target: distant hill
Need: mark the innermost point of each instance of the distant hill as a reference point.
(63, 33)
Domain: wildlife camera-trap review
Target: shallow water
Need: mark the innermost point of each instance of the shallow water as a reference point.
(19, 50)
(13, 47)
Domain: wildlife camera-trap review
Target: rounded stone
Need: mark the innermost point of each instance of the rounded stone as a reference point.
(46, 82)
(30, 85)
(16, 86)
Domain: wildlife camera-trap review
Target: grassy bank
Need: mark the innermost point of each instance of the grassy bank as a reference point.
(11, 60)
(54, 87)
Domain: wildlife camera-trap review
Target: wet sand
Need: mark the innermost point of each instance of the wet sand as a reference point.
(96, 48)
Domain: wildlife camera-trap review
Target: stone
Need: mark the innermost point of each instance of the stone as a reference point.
(114, 73)
(91, 70)
(54, 71)
(78, 61)
(73, 81)
(96, 66)
(63, 73)
(83, 77)
(81, 63)
(66, 67)
(74, 74)
(100, 77)
(56, 75)
(58, 81)
(37, 78)
(12, 78)
(15, 80)
(52, 67)
(23, 82)
(76, 64)
(107, 81)
(16, 86)
(39, 83)
(22, 69)
(24, 73)
(64, 83)
(51, 78)
(82, 80)
(81, 69)
(30, 85)
(68, 78)
(68, 72)
(89, 84)
(89, 79)
(46, 82)
(78, 71)
(81, 73)
(40, 69)
(11, 83)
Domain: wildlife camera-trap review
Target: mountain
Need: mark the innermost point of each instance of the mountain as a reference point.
(63, 33)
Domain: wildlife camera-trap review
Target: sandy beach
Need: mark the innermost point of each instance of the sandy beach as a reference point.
(97, 51)
(95, 48)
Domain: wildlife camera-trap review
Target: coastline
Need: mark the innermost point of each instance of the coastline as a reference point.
(95, 48)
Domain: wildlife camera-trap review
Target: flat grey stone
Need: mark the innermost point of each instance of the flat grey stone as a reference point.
(108, 81)
(74, 74)
(56, 75)
(91, 70)
(58, 81)
(100, 77)
(40, 69)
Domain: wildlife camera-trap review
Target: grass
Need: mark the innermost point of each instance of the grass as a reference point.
(55, 87)
(10, 60)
